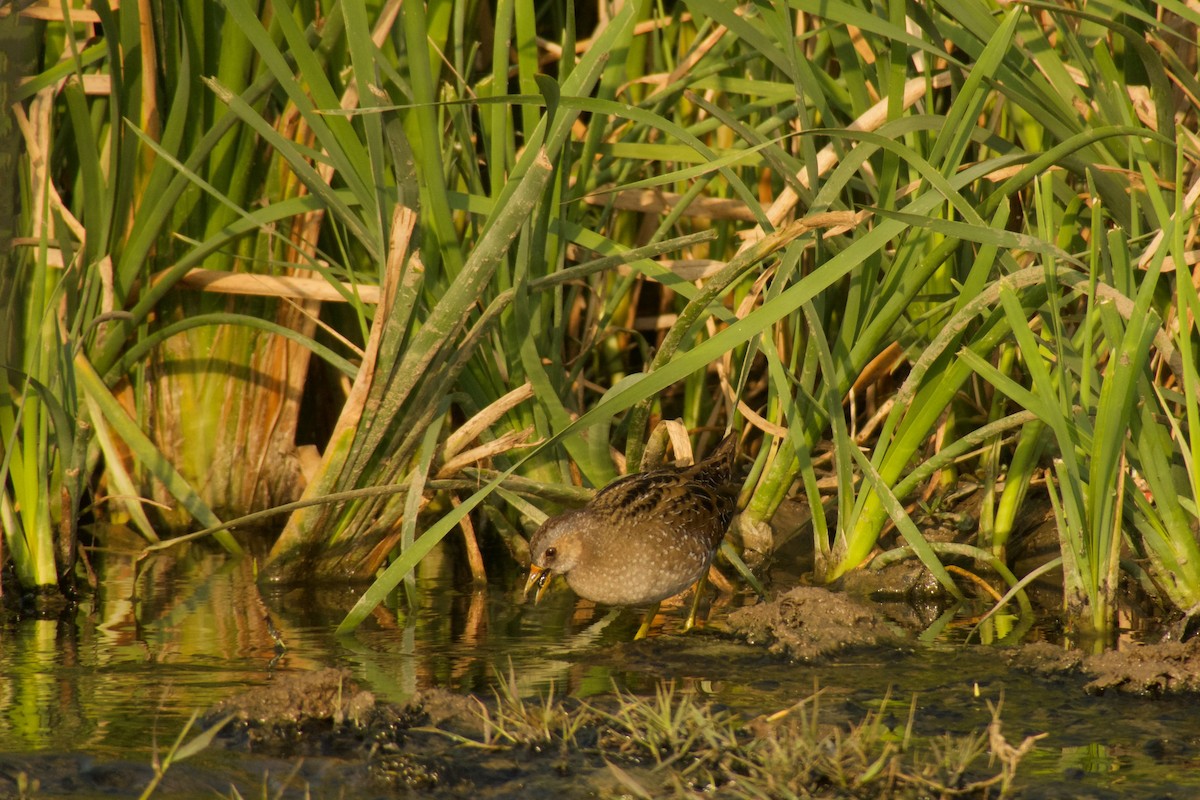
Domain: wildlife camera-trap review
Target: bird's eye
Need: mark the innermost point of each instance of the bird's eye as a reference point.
(550, 553)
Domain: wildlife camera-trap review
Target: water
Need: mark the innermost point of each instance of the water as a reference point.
(87, 701)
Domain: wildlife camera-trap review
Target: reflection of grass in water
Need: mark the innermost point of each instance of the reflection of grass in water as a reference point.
(683, 745)
(181, 749)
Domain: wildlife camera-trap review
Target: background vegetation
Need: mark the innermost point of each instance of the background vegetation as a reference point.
(429, 267)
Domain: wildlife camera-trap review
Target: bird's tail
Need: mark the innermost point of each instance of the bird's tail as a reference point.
(717, 468)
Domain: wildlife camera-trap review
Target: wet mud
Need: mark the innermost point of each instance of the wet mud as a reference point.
(1149, 670)
(673, 743)
(809, 623)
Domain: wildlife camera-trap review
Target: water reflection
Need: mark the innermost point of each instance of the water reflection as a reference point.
(125, 670)
(188, 626)
(139, 656)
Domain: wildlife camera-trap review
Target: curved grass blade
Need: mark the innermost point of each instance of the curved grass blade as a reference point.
(149, 455)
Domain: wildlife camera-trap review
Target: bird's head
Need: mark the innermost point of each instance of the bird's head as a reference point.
(555, 548)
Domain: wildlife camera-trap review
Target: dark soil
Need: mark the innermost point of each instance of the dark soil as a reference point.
(898, 601)
(326, 718)
(809, 623)
(327, 694)
(1152, 670)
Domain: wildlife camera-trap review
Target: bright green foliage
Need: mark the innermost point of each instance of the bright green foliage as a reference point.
(965, 196)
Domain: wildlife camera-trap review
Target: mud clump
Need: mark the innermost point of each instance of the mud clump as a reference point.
(330, 699)
(329, 720)
(325, 694)
(311, 713)
(1151, 670)
(809, 623)
(441, 708)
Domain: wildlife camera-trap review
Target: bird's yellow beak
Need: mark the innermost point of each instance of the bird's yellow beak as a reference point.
(541, 577)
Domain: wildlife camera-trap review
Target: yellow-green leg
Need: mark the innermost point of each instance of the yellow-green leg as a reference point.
(701, 585)
(645, 629)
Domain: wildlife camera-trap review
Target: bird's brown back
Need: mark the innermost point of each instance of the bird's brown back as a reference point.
(698, 499)
(644, 537)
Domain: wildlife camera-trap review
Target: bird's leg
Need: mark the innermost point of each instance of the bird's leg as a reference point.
(645, 629)
(701, 585)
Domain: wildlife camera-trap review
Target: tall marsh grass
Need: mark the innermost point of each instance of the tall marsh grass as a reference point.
(514, 236)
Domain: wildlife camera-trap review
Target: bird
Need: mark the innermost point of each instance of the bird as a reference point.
(643, 538)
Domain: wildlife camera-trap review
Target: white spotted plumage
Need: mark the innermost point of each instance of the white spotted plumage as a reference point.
(642, 538)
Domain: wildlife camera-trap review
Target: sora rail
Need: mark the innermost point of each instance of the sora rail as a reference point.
(643, 538)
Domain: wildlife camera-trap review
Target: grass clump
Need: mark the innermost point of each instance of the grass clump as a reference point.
(535, 725)
(796, 753)
(674, 744)
(694, 740)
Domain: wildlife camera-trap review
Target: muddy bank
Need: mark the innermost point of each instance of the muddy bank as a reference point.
(809, 623)
(326, 715)
(1151, 670)
(671, 744)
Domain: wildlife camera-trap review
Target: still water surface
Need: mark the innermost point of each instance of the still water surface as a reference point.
(120, 679)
